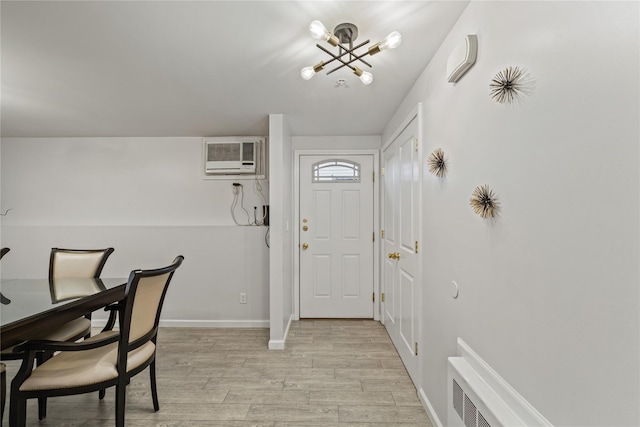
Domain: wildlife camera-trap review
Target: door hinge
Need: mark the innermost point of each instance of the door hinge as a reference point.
(374, 297)
(415, 144)
(382, 297)
(382, 234)
(374, 176)
(374, 236)
(416, 246)
(382, 172)
(416, 349)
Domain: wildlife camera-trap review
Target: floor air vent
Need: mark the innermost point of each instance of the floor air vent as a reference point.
(479, 397)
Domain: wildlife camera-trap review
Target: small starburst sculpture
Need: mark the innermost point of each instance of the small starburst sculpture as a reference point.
(510, 84)
(437, 163)
(484, 202)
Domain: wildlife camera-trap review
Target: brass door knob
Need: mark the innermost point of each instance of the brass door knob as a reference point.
(305, 246)
(394, 255)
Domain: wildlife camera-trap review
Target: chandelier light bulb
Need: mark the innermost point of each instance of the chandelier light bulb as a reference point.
(319, 31)
(307, 73)
(366, 78)
(392, 41)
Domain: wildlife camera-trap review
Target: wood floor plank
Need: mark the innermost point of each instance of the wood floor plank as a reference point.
(333, 373)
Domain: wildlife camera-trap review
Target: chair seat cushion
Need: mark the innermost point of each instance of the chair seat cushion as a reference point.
(69, 369)
(73, 330)
(80, 326)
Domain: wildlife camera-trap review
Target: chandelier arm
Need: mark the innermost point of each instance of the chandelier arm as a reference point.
(360, 45)
(356, 58)
(336, 57)
(346, 51)
(336, 69)
(359, 58)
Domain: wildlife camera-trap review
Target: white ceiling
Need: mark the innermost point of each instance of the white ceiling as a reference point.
(203, 68)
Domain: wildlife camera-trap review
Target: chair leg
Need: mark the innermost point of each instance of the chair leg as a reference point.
(102, 393)
(42, 401)
(154, 390)
(3, 389)
(121, 392)
(42, 408)
(17, 411)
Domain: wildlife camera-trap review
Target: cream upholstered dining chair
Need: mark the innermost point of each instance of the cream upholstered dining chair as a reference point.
(108, 359)
(77, 263)
(66, 263)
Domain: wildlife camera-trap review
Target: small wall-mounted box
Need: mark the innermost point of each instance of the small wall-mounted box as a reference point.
(462, 58)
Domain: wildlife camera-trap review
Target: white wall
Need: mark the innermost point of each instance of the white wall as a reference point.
(549, 293)
(336, 142)
(280, 261)
(146, 198)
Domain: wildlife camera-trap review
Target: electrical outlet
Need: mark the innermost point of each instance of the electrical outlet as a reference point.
(243, 298)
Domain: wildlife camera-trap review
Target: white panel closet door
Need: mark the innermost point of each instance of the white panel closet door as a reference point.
(401, 269)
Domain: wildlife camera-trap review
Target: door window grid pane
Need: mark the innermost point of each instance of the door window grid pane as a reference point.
(335, 171)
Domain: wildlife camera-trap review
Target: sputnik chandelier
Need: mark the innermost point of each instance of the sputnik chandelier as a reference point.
(343, 37)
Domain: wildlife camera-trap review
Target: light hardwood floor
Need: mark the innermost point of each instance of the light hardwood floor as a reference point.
(332, 373)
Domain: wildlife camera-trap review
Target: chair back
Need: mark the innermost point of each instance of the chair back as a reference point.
(3, 252)
(144, 296)
(77, 263)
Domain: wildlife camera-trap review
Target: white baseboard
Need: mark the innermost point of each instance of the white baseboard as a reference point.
(280, 344)
(431, 413)
(99, 323)
(276, 344)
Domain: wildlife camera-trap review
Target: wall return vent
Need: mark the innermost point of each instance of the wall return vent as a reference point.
(479, 397)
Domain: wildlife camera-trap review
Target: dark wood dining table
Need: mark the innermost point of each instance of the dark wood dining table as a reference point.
(31, 307)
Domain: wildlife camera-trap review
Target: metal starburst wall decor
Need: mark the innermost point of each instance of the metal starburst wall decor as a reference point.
(437, 163)
(510, 84)
(484, 202)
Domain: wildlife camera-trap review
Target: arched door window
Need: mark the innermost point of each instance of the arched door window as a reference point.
(335, 171)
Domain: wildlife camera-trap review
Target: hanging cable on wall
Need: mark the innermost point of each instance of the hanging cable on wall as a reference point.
(238, 194)
(238, 198)
(267, 237)
(265, 208)
(238, 191)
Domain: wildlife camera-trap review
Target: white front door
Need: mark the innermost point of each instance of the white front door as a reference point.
(401, 269)
(336, 236)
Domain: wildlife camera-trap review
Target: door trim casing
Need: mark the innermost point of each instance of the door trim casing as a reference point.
(296, 221)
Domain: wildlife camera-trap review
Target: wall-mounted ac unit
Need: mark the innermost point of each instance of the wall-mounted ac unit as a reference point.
(234, 157)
